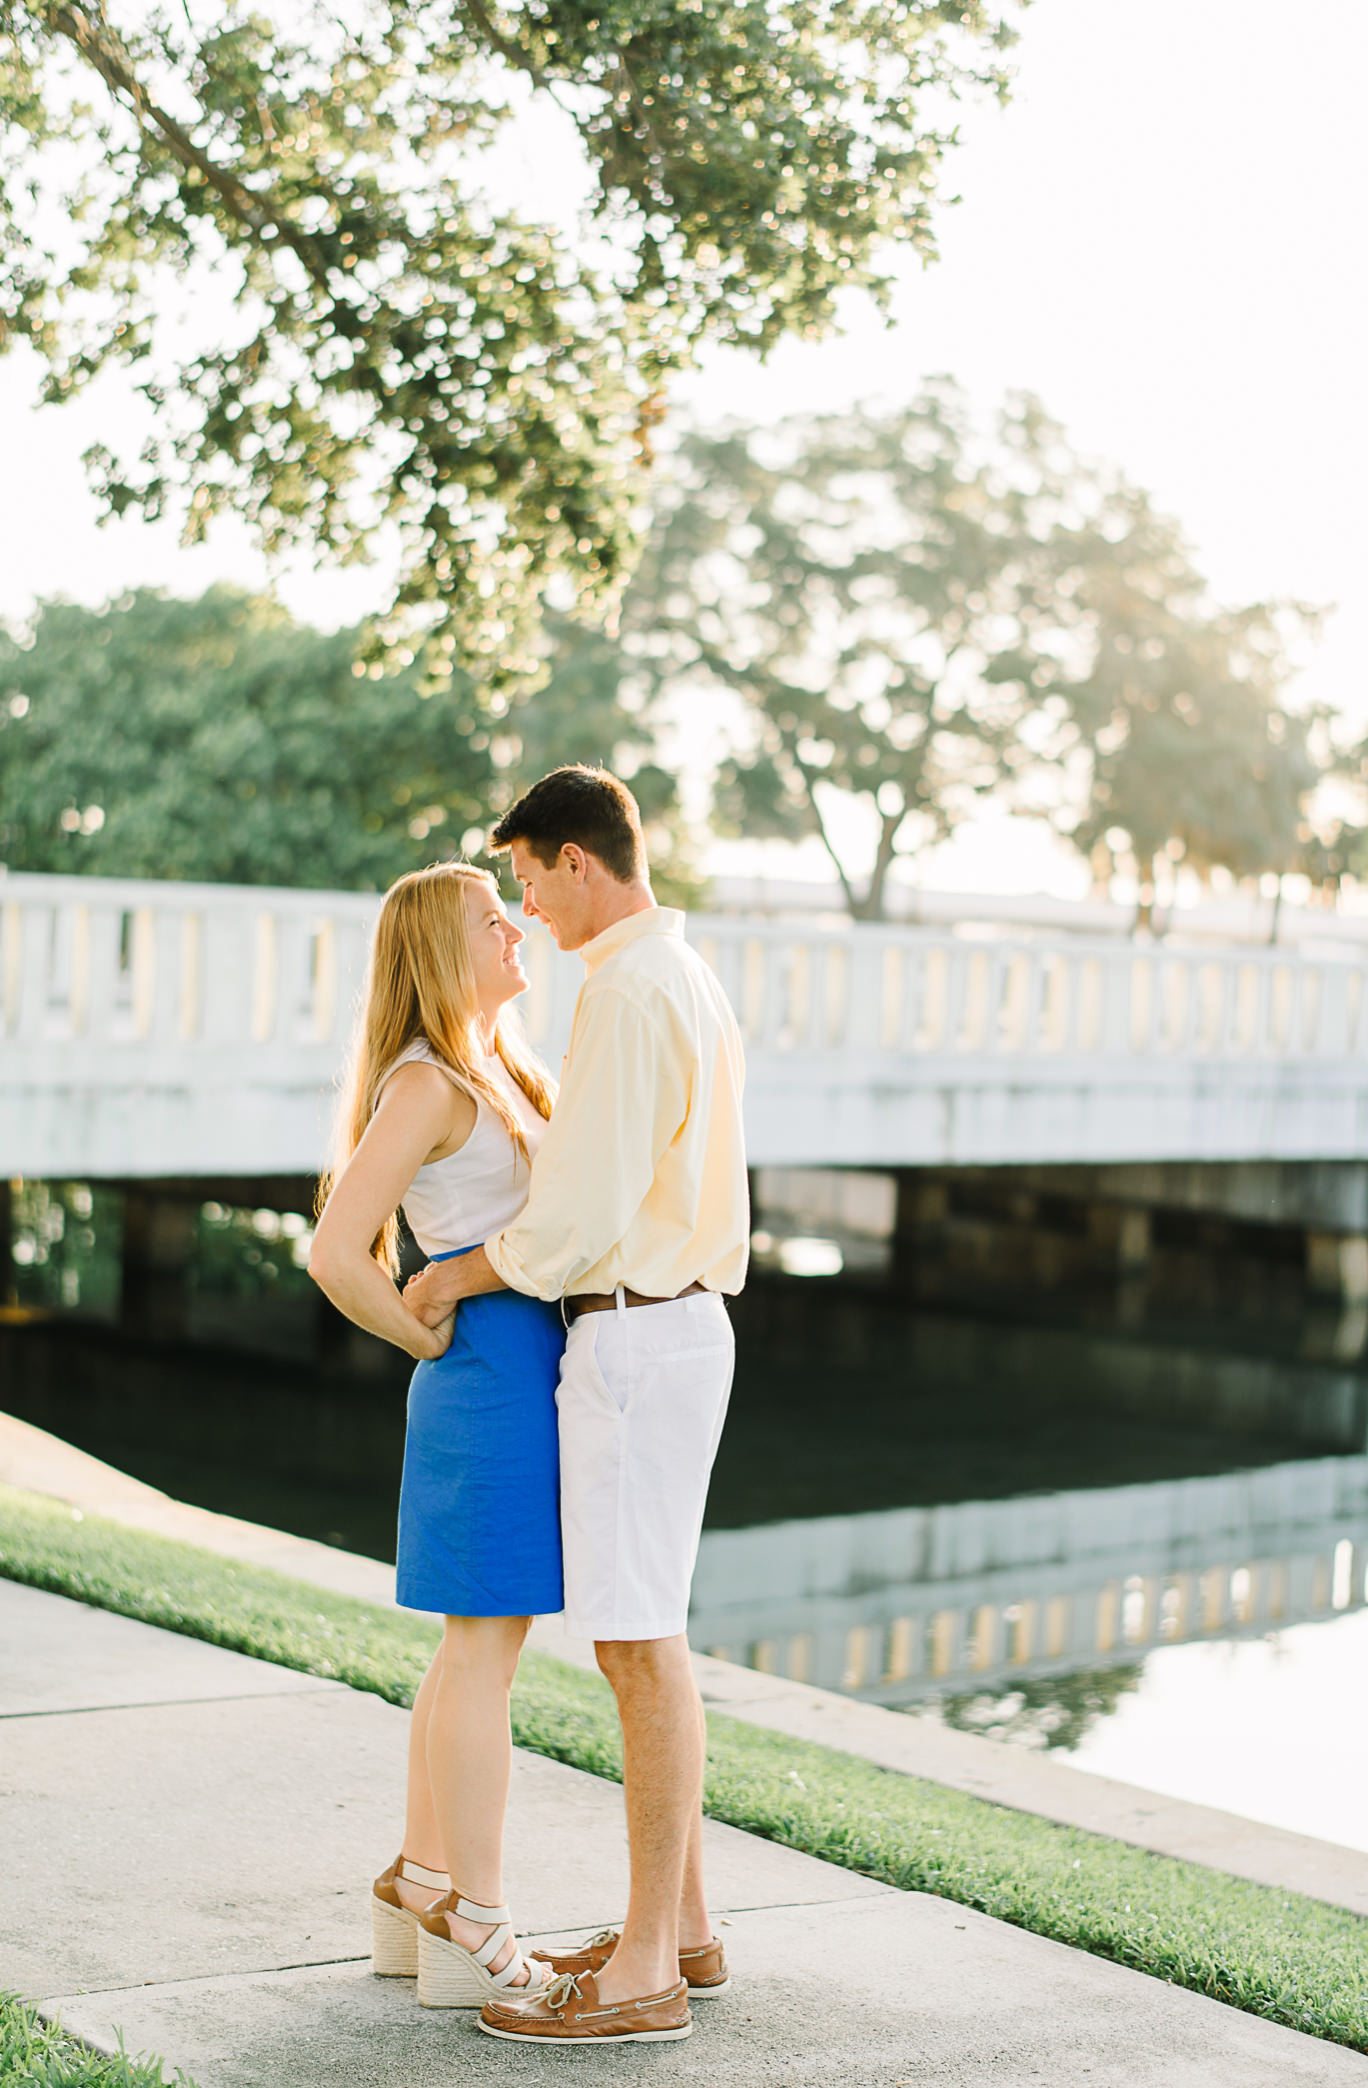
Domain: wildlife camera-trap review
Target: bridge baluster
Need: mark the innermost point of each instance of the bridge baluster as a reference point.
(958, 959)
(229, 974)
(1330, 1038)
(774, 1015)
(1117, 988)
(35, 941)
(855, 995)
(168, 974)
(95, 988)
(293, 997)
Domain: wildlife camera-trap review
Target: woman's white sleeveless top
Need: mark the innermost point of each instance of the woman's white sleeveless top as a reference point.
(460, 1201)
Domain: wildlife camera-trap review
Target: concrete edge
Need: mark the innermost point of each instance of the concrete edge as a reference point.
(1018, 1778)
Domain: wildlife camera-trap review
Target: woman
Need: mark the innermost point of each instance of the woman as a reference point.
(446, 1110)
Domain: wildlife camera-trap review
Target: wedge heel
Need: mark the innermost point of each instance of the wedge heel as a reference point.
(394, 1941)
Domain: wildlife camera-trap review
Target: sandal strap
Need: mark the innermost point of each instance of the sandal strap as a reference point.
(490, 1948)
(418, 1874)
(471, 1910)
(509, 1972)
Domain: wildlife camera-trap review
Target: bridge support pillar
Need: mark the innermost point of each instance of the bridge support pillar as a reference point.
(919, 1219)
(158, 1248)
(7, 1293)
(1122, 1232)
(1337, 1265)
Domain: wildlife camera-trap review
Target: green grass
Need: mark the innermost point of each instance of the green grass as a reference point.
(38, 2054)
(1274, 1954)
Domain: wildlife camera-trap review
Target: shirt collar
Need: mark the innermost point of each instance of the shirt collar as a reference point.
(654, 920)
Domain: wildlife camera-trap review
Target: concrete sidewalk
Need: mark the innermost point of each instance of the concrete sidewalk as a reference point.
(189, 1835)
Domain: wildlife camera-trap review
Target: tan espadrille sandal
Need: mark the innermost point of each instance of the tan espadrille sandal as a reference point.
(394, 1927)
(450, 1976)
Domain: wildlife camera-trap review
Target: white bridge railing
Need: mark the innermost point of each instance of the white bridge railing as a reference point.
(153, 1028)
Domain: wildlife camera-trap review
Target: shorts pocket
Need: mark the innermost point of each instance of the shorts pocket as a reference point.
(587, 1369)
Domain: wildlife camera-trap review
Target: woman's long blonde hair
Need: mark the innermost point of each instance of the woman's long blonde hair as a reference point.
(421, 987)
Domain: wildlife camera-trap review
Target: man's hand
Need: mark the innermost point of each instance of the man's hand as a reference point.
(431, 1294)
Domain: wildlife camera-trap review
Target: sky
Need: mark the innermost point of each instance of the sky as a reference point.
(1161, 236)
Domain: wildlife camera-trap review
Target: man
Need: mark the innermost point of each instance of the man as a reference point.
(637, 1219)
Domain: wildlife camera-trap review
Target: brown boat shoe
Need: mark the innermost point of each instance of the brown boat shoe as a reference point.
(703, 1968)
(569, 2012)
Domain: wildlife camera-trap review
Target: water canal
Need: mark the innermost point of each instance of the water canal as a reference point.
(1122, 1519)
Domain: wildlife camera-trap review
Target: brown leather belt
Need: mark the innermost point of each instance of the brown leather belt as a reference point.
(606, 1301)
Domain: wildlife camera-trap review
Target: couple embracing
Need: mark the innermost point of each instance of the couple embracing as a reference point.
(574, 1366)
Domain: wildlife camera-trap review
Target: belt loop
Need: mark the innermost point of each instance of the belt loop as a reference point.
(565, 1317)
(619, 1299)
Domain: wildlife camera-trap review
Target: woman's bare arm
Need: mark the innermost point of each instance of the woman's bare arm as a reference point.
(421, 1116)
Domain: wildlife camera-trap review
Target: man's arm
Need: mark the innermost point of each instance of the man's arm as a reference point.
(435, 1292)
(624, 1098)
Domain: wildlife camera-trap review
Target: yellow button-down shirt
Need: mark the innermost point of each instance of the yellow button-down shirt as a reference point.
(641, 1177)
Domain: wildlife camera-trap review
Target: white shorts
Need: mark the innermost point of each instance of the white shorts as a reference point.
(642, 1398)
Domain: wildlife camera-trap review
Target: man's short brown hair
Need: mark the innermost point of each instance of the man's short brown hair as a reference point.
(586, 806)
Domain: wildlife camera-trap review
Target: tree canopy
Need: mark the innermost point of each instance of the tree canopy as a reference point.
(217, 739)
(384, 350)
(914, 613)
(874, 594)
(1193, 754)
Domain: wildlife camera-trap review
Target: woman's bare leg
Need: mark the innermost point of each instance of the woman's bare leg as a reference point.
(470, 1758)
(422, 1831)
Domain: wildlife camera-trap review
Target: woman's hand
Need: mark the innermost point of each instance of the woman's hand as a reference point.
(430, 1343)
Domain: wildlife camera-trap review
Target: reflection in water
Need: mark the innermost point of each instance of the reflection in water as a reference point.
(906, 1604)
(1058, 1711)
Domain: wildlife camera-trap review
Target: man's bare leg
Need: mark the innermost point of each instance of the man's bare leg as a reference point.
(662, 1751)
(695, 1923)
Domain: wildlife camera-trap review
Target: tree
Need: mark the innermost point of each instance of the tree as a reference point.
(915, 614)
(594, 705)
(1193, 754)
(880, 598)
(217, 740)
(402, 353)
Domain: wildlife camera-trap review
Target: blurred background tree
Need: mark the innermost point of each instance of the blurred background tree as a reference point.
(400, 351)
(217, 739)
(913, 614)
(596, 706)
(1194, 755)
(875, 594)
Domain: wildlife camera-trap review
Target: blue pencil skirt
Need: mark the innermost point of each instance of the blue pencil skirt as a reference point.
(479, 1508)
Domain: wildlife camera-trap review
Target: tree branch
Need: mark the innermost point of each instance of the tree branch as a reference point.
(103, 51)
(890, 822)
(810, 780)
(512, 52)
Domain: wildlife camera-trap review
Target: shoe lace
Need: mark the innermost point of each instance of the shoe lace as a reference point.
(561, 1988)
(608, 1935)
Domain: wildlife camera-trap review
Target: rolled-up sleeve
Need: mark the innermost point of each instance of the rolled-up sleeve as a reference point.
(622, 1102)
